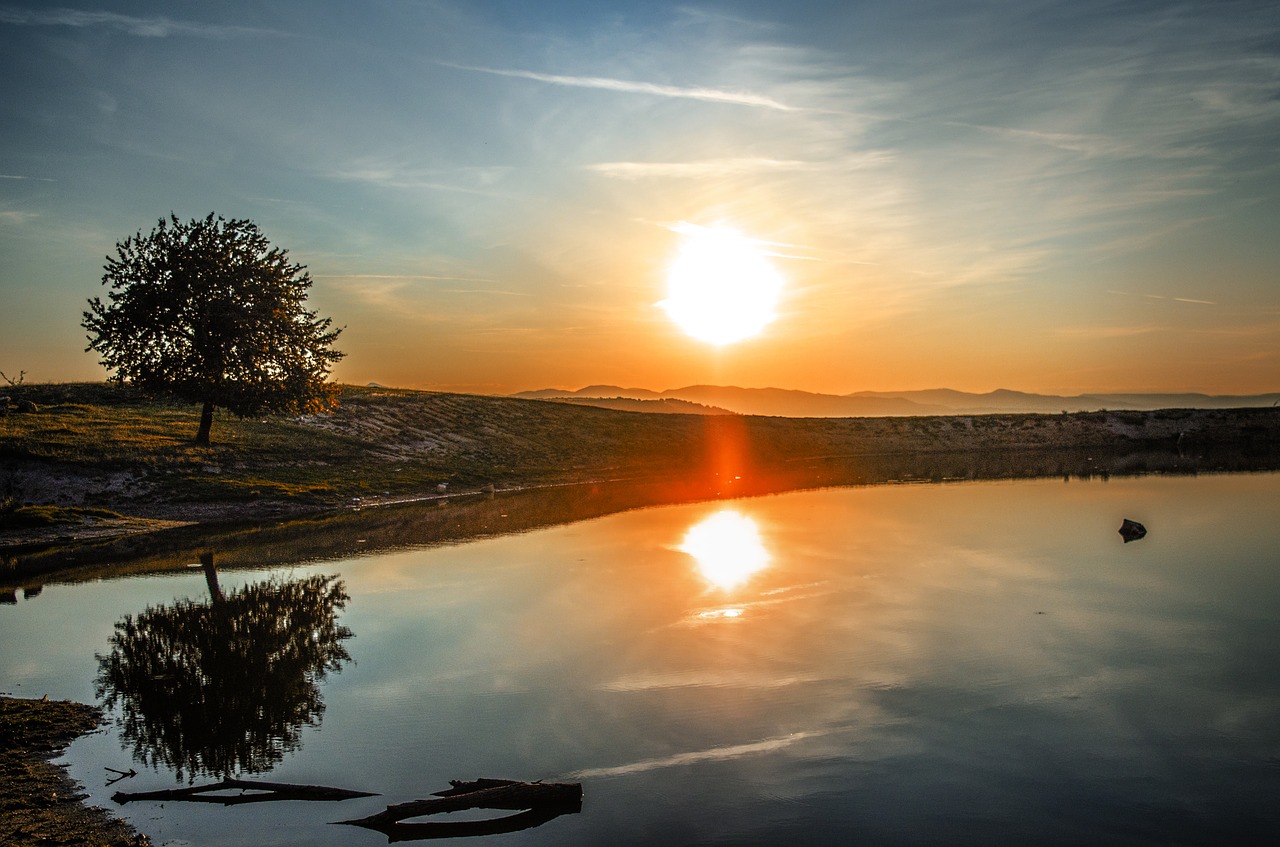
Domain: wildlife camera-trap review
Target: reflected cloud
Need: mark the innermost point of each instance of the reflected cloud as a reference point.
(720, 614)
(775, 597)
(732, 751)
(699, 679)
(727, 548)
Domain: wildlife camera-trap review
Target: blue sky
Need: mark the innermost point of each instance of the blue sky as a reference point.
(1048, 196)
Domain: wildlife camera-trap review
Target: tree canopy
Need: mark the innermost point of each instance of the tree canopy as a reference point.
(209, 312)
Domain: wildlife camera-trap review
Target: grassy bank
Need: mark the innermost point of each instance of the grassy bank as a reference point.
(39, 804)
(96, 447)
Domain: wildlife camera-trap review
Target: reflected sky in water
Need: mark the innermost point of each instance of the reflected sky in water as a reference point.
(970, 663)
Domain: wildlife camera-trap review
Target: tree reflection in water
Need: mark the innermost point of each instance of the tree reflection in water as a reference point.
(225, 686)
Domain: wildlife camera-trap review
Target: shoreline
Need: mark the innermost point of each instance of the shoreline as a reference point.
(39, 802)
(102, 468)
(434, 519)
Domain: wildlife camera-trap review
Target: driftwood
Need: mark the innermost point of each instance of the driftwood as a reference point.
(119, 775)
(457, 786)
(466, 829)
(536, 802)
(262, 792)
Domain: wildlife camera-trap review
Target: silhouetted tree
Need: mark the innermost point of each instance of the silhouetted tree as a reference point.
(225, 686)
(209, 312)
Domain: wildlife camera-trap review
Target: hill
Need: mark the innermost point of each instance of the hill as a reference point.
(941, 401)
(1003, 400)
(656, 405)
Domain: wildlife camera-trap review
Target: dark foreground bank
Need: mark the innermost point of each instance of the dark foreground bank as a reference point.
(39, 803)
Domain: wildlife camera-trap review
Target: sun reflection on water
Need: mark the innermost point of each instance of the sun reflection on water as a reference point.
(727, 547)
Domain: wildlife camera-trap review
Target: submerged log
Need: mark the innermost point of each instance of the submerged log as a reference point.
(457, 786)
(554, 798)
(428, 830)
(262, 792)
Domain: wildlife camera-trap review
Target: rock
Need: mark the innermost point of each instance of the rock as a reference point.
(1132, 530)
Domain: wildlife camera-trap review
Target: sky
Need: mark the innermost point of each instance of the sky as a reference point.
(1052, 196)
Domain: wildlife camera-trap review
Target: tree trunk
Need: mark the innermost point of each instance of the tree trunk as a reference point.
(206, 423)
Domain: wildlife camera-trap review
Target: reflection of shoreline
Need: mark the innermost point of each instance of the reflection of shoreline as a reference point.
(348, 534)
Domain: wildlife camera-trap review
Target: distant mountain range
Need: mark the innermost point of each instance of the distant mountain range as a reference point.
(779, 402)
(659, 405)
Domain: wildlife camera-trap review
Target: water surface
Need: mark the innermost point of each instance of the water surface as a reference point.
(964, 663)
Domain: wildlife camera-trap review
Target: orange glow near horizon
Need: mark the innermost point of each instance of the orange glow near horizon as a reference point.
(721, 288)
(727, 547)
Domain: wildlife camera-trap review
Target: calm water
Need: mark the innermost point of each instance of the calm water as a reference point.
(966, 663)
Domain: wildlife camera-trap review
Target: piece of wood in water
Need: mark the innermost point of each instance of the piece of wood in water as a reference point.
(262, 792)
(499, 794)
(427, 830)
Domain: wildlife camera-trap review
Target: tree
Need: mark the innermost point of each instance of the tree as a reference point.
(209, 312)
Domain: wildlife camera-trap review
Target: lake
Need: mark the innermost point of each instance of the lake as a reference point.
(956, 663)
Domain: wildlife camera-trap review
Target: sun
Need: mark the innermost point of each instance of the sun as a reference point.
(721, 287)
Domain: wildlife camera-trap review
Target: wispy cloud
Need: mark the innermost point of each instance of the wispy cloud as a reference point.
(395, 290)
(1097, 333)
(401, 277)
(395, 175)
(1088, 144)
(15, 217)
(709, 168)
(381, 292)
(31, 178)
(1268, 327)
(502, 292)
(712, 95)
(153, 27)
(1191, 300)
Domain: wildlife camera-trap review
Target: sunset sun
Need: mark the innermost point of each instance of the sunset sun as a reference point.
(721, 287)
